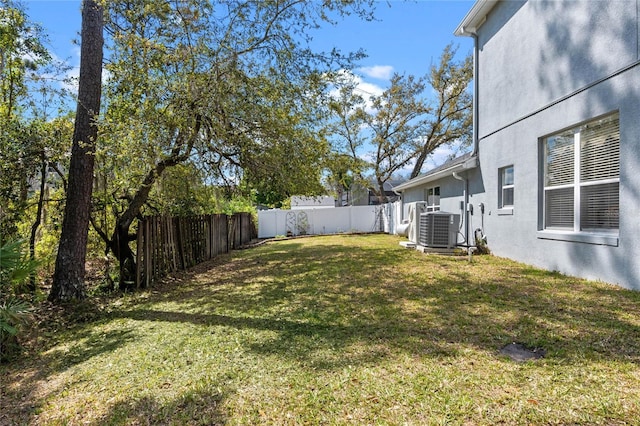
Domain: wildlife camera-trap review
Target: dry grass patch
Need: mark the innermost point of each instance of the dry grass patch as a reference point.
(341, 330)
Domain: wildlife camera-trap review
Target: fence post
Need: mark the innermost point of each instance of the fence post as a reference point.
(139, 249)
(147, 253)
(207, 236)
(225, 233)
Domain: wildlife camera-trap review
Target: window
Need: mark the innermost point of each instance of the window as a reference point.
(505, 196)
(433, 199)
(582, 178)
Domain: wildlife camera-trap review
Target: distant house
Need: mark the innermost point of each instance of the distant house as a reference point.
(391, 196)
(554, 176)
(358, 195)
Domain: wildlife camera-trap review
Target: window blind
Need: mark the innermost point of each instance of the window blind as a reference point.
(600, 151)
(594, 189)
(599, 206)
(559, 208)
(559, 158)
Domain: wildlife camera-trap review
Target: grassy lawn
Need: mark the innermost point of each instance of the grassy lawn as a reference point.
(340, 330)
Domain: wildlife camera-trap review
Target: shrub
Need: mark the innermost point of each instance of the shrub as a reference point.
(15, 269)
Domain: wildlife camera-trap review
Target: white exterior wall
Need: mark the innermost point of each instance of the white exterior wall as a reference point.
(323, 221)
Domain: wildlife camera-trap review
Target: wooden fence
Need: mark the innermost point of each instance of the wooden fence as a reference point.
(170, 244)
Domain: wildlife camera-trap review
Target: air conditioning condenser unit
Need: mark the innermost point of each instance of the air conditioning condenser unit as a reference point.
(438, 229)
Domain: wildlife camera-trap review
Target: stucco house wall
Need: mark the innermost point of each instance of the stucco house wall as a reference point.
(546, 66)
(533, 53)
(451, 192)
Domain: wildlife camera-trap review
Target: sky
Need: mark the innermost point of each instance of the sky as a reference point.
(407, 37)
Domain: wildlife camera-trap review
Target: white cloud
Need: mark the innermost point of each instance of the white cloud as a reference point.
(380, 72)
(71, 80)
(65, 73)
(367, 90)
(74, 72)
(363, 88)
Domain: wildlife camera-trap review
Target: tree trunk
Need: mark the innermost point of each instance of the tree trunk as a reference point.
(68, 278)
(36, 224)
(119, 246)
(417, 168)
(382, 197)
(119, 243)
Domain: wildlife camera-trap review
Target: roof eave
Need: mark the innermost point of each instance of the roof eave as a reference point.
(470, 163)
(475, 17)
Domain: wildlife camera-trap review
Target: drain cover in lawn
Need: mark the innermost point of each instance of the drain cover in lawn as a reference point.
(521, 353)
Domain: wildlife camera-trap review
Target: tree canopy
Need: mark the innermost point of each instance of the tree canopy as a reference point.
(403, 125)
(29, 137)
(198, 101)
(231, 87)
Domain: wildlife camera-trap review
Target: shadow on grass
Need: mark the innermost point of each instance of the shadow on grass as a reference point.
(333, 305)
(193, 407)
(570, 318)
(31, 375)
(327, 303)
(87, 344)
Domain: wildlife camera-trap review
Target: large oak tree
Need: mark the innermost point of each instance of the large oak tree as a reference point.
(230, 86)
(406, 123)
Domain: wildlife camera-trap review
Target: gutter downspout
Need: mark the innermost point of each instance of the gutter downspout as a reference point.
(471, 32)
(475, 134)
(476, 139)
(474, 115)
(476, 91)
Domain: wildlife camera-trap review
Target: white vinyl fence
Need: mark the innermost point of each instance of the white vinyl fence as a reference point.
(337, 220)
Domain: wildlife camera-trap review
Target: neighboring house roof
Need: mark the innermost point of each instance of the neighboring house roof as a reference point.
(389, 186)
(459, 164)
(475, 17)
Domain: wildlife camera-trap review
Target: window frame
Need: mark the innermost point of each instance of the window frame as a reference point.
(431, 192)
(569, 178)
(502, 187)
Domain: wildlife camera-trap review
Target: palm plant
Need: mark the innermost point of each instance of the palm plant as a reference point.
(15, 268)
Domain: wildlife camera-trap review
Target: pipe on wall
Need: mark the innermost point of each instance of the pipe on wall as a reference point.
(465, 196)
(476, 91)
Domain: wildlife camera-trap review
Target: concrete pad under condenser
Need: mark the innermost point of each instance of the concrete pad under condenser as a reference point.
(435, 250)
(408, 244)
